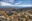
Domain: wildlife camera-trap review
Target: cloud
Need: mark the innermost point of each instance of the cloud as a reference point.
(18, 3)
(27, 5)
(22, 5)
(5, 4)
(15, 5)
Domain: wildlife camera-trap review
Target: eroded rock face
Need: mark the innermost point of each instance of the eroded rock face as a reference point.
(19, 16)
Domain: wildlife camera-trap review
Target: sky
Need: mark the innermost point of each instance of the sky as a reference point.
(22, 3)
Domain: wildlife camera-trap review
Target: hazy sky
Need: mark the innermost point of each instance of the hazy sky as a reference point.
(16, 2)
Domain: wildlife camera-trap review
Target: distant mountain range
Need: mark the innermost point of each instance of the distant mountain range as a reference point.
(7, 8)
(13, 7)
